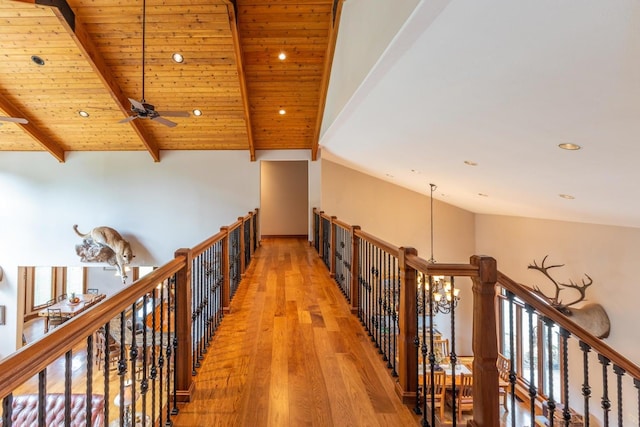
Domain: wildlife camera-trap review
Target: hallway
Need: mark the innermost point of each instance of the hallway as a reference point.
(290, 353)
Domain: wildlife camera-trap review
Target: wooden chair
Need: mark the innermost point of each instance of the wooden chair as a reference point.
(504, 368)
(112, 349)
(62, 297)
(441, 349)
(437, 390)
(464, 396)
(54, 317)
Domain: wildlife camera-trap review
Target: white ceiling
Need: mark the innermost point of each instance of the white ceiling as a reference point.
(502, 83)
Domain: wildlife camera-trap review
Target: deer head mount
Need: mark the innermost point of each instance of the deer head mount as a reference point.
(555, 301)
(591, 317)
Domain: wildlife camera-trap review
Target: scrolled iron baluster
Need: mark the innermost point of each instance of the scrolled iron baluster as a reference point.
(432, 356)
(67, 382)
(619, 373)
(551, 403)
(533, 391)
(172, 350)
(42, 395)
(512, 371)
(153, 370)
(89, 384)
(586, 389)
(7, 409)
(452, 356)
(144, 382)
(564, 338)
(605, 402)
(105, 371)
(636, 383)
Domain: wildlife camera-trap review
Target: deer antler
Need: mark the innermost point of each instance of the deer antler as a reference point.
(555, 302)
(543, 269)
(580, 288)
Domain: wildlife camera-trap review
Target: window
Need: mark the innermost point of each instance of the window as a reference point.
(530, 342)
(74, 280)
(42, 285)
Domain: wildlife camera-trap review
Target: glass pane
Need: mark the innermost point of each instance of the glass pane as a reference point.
(529, 354)
(42, 285)
(75, 280)
(506, 330)
(555, 358)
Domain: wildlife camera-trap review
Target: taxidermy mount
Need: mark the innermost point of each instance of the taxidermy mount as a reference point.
(104, 244)
(591, 317)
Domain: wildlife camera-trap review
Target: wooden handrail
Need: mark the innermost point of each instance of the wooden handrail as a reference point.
(528, 297)
(342, 224)
(202, 246)
(424, 266)
(387, 247)
(33, 358)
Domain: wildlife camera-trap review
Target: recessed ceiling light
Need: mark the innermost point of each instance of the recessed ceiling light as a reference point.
(83, 113)
(282, 56)
(569, 146)
(178, 58)
(566, 196)
(282, 112)
(37, 60)
(470, 163)
(197, 112)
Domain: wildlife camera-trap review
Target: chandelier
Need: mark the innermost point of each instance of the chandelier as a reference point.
(436, 292)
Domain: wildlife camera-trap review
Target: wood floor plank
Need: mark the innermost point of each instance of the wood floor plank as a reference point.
(290, 353)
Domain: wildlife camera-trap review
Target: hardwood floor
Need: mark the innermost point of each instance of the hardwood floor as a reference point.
(290, 353)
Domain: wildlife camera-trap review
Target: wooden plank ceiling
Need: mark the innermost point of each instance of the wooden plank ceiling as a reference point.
(92, 52)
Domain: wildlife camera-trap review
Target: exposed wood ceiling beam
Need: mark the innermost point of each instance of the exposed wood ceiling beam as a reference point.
(49, 145)
(90, 52)
(324, 86)
(233, 23)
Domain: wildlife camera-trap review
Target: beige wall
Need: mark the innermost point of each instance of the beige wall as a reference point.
(284, 198)
(401, 217)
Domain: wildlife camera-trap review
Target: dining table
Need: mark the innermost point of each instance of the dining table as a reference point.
(68, 309)
(449, 373)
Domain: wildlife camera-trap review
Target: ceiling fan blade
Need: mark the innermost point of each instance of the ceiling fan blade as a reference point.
(136, 104)
(128, 119)
(174, 113)
(14, 120)
(164, 121)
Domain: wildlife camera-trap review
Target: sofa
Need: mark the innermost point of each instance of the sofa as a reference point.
(25, 410)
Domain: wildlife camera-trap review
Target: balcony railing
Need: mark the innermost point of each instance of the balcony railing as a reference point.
(387, 288)
(141, 347)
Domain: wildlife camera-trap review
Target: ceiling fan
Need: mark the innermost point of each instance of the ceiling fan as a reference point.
(141, 109)
(14, 120)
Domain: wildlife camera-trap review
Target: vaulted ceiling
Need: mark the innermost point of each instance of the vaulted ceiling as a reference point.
(92, 55)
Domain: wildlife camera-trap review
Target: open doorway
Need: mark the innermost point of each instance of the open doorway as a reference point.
(284, 198)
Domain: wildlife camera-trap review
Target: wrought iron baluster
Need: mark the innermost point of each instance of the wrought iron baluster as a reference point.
(619, 373)
(153, 370)
(42, 396)
(163, 297)
(67, 385)
(512, 371)
(533, 391)
(7, 409)
(144, 381)
(171, 357)
(564, 338)
(122, 366)
(586, 389)
(605, 402)
(452, 356)
(551, 403)
(636, 383)
(394, 314)
(432, 356)
(105, 371)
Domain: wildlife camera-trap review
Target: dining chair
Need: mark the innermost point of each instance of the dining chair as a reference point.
(108, 348)
(464, 395)
(504, 368)
(62, 297)
(54, 316)
(437, 391)
(441, 349)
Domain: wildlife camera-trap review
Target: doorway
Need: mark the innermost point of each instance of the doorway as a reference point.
(284, 198)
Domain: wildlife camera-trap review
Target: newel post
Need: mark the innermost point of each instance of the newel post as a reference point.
(184, 379)
(226, 279)
(407, 323)
(486, 410)
(355, 267)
